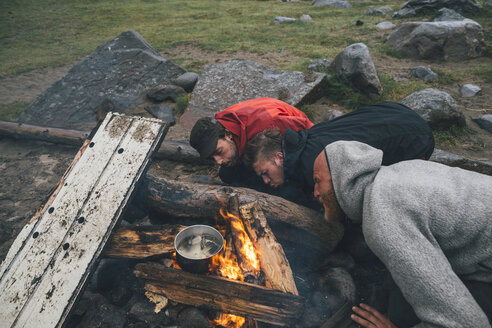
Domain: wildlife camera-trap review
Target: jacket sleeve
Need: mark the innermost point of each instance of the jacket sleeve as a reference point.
(420, 269)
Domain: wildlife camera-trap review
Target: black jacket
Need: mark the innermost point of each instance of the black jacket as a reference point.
(394, 128)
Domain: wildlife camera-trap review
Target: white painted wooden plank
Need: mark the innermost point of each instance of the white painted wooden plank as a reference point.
(50, 291)
(99, 213)
(35, 255)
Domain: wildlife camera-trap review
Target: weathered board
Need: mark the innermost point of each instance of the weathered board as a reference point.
(53, 255)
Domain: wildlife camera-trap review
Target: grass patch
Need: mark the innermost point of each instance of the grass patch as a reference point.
(453, 135)
(484, 72)
(447, 77)
(181, 104)
(12, 111)
(309, 111)
(36, 34)
(396, 91)
(343, 94)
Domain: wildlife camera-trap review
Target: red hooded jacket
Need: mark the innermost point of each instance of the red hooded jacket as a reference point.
(245, 119)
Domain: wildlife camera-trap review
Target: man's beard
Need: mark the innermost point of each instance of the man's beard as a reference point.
(333, 211)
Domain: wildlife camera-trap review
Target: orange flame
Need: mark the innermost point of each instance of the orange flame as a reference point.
(230, 320)
(226, 264)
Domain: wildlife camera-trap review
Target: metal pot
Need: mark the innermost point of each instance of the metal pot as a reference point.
(195, 246)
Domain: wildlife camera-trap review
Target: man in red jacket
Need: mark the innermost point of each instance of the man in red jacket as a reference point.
(224, 137)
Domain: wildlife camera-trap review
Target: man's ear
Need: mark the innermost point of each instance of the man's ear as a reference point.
(279, 158)
(228, 135)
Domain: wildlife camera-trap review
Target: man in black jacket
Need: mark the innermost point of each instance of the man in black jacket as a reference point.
(394, 128)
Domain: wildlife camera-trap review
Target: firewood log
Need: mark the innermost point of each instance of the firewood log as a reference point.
(221, 294)
(289, 221)
(142, 242)
(274, 263)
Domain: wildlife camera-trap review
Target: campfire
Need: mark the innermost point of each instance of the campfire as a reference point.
(251, 271)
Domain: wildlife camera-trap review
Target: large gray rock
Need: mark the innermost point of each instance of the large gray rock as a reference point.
(187, 81)
(355, 66)
(319, 65)
(446, 14)
(437, 107)
(485, 122)
(223, 85)
(381, 11)
(332, 3)
(423, 73)
(449, 41)
(121, 70)
(413, 8)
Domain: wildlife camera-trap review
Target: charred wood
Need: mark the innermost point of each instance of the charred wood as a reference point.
(142, 242)
(221, 294)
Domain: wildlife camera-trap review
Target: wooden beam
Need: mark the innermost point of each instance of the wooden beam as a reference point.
(178, 151)
(221, 294)
(289, 221)
(143, 242)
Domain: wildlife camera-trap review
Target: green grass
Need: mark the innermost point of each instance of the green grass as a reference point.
(35, 34)
(12, 111)
(181, 104)
(452, 135)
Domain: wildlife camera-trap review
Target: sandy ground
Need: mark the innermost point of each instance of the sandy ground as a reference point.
(30, 169)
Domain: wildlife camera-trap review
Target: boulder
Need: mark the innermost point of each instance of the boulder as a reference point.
(437, 107)
(469, 90)
(414, 8)
(187, 81)
(121, 70)
(333, 3)
(385, 25)
(449, 41)
(485, 122)
(305, 17)
(162, 112)
(166, 92)
(381, 11)
(280, 19)
(489, 2)
(355, 66)
(225, 84)
(423, 73)
(446, 14)
(319, 65)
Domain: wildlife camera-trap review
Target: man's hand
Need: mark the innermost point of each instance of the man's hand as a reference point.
(369, 317)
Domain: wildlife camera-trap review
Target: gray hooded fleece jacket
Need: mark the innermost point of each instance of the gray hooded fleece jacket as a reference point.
(430, 225)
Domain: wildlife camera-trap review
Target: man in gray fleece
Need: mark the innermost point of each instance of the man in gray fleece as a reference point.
(430, 224)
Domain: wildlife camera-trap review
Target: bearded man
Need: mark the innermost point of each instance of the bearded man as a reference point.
(430, 224)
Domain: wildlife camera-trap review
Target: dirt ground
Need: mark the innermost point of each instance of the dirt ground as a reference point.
(30, 169)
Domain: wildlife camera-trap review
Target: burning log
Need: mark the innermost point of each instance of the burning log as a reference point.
(220, 294)
(289, 221)
(274, 263)
(248, 261)
(142, 242)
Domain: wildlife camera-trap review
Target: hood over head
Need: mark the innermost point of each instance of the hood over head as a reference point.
(353, 166)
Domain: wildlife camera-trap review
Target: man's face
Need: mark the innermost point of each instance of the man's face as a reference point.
(271, 170)
(225, 152)
(323, 189)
